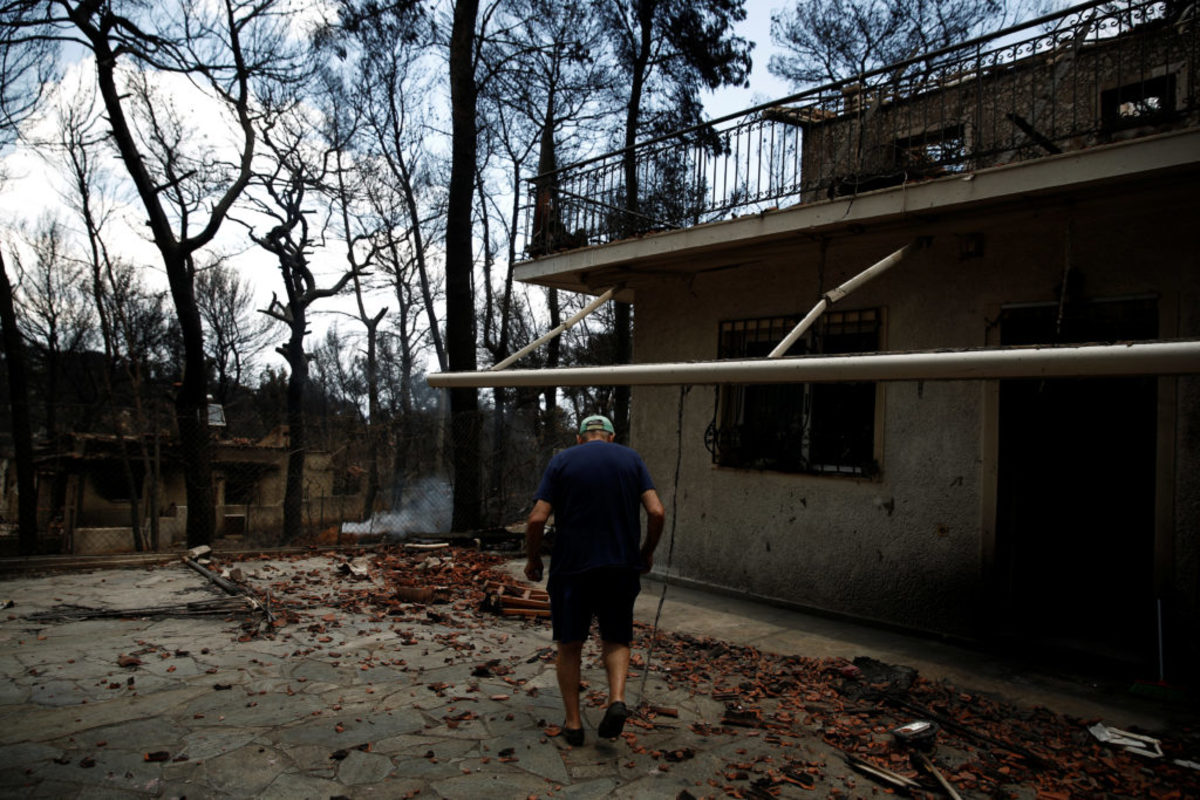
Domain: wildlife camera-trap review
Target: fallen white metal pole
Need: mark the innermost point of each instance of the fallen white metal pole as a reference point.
(583, 312)
(833, 295)
(1082, 361)
(799, 330)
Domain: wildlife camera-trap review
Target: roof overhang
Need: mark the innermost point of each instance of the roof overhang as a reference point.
(746, 240)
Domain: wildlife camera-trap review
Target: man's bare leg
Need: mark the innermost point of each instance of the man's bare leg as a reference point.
(616, 664)
(567, 666)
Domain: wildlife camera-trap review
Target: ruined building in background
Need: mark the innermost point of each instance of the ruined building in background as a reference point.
(89, 484)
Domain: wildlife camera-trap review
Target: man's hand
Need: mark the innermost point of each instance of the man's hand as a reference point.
(655, 517)
(534, 529)
(533, 569)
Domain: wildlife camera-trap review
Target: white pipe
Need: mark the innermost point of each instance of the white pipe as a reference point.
(799, 330)
(870, 272)
(583, 312)
(1145, 358)
(833, 295)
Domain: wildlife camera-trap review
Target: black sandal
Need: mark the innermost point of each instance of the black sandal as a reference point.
(613, 722)
(574, 736)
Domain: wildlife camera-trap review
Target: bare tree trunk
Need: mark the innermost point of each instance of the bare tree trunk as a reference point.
(622, 316)
(402, 430)
(298, 279)
(52, 371)
(101, 266)
(494, 320)
(460, 300)
(22, 430)
(154, 480)
(407, 359)
(191, 411)
(293, 493)
(505, 335)
(373, 414)
(553, 350)
(370, 323)
(402, 424)
(435, 333)
(623, 331)
(401, 170)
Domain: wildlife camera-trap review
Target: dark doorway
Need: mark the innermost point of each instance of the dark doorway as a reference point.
(1075, 527)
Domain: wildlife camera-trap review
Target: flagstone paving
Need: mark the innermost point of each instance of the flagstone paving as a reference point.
(348, 700)
(371, 712)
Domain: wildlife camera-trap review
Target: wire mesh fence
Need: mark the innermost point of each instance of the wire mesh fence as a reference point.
(128, 483)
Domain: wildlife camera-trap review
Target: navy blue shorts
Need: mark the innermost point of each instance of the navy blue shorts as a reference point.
(606, 594)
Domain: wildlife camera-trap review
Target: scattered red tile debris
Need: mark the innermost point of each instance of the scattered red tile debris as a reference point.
(854, 706)
(984, 748)
(512, 600)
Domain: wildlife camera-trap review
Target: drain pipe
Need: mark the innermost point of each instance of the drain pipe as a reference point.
(1082, 361)
(833, 295)
(583, 312)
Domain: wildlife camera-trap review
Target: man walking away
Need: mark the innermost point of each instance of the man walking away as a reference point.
(595, 491)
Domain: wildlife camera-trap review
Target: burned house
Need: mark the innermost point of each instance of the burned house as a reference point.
(91, 485)
(1035, 188)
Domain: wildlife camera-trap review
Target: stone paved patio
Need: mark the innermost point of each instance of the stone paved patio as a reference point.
(345, 701)
(354, 707)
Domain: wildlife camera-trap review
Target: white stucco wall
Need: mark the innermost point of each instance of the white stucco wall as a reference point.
(906, 547)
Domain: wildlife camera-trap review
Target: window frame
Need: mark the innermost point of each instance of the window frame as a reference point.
(794, 435)
(1164, 86)
(934, 151)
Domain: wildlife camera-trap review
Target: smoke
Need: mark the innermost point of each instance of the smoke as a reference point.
(425, 507)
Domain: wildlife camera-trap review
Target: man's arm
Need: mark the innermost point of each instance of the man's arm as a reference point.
(535, 526)
(655, 517)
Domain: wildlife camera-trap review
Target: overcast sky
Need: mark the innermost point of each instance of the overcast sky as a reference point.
(764, 87)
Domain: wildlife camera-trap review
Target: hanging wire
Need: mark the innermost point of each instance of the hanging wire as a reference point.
(683, 392)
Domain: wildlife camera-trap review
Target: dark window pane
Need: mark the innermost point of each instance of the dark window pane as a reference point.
(1138, 103)
(798, 427)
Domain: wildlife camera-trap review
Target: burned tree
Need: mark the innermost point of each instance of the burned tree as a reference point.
(26, 64)
(460, 295)
(228, 48)
(286, 188)
(828, 40)
(666, 51)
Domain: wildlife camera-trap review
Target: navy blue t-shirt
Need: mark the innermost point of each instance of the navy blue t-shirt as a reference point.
(595, 489)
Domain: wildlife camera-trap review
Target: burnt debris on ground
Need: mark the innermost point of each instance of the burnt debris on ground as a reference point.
(406, 672)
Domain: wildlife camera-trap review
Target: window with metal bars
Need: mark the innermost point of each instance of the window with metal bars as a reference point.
(826, 428)
(1145, 101)
(933, 152)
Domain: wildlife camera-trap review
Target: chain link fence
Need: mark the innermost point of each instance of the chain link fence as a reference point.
(119, 483)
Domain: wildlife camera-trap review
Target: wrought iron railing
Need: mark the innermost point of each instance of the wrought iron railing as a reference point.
(1096, 73)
